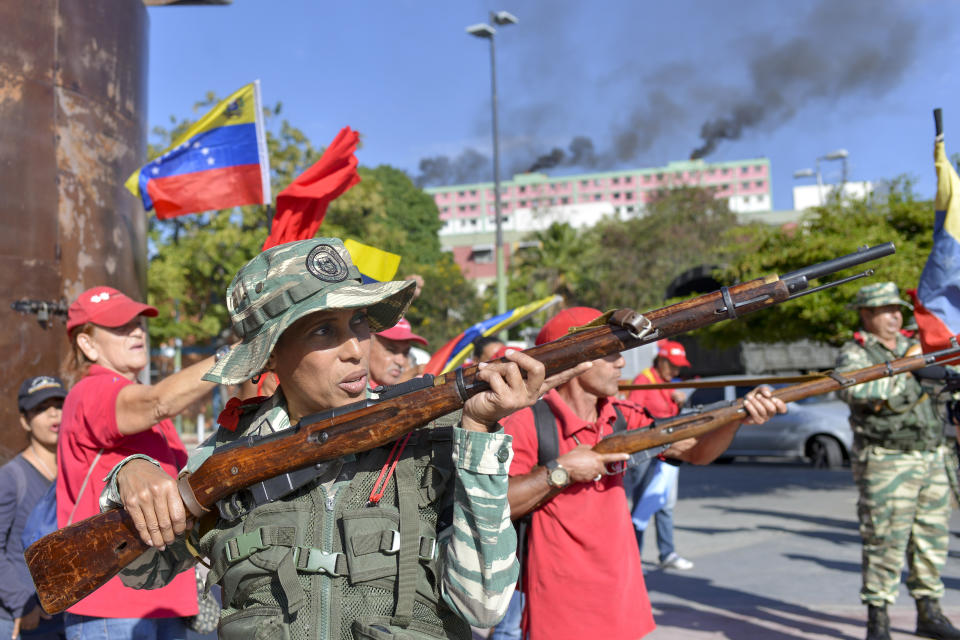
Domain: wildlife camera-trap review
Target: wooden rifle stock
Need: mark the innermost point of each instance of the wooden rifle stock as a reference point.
(696, 424)
(70, 563)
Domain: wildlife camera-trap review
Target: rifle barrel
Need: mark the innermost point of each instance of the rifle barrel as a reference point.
(799, 279)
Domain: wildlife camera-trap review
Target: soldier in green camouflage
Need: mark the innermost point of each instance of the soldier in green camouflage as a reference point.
(900, 467)
(408, 541)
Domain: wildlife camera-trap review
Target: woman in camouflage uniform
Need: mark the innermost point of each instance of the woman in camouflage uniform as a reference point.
(406, 541)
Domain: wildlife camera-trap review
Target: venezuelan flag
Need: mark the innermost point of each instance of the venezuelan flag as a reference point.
(375, 265)
(219, 162)
(451, 355)
(937, 298)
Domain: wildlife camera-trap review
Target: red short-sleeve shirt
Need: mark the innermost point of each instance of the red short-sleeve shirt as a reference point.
(658, 402)
(582, 575)
(89, 424)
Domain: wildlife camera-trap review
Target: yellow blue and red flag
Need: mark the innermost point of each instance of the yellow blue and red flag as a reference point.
(375, 265)
(219, 162)
(937, 298)
(452, 354)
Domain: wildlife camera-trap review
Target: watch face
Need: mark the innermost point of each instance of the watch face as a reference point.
(559, 477)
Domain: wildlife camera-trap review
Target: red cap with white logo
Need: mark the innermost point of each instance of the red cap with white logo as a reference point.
(106, 307)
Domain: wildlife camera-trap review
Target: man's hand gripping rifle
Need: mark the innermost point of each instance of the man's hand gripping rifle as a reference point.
(649, 442)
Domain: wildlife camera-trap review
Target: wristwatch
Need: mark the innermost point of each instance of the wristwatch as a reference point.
(557, 476)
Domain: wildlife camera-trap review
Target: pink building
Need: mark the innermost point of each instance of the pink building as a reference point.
(532, 201)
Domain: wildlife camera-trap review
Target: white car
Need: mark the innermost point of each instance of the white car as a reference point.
(816, 428)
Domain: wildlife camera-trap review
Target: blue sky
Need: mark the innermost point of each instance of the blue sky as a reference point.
(639, 79)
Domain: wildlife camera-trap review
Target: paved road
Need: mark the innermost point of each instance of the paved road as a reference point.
(777, 556)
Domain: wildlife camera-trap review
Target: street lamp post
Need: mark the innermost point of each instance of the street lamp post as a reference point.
(810, 173)
(500, 18)
(839, 154)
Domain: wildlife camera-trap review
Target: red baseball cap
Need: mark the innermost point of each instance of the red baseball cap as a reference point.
(674, 352)
(402, 331)
(106, 307)
(560, 324)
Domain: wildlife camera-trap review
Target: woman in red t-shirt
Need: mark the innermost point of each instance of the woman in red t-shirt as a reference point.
(107, 417)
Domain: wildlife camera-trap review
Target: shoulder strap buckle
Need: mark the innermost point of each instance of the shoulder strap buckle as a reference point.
(244, 546)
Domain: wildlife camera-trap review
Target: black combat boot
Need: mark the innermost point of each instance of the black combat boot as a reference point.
(878, 622)
(931, 623)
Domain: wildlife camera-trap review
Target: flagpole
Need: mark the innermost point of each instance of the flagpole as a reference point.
(938, 121)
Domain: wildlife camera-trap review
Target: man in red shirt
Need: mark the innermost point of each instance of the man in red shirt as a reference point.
(659, 403)
(582, 576)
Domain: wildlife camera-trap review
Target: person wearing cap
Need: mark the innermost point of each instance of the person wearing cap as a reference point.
(390, 354)
(900, 465)
(107, 417)
(642, 481)
(410, 539)
(582, 576)
(23, 481)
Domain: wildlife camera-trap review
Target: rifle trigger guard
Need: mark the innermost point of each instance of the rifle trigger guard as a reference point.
(728, 303)
(844, 382)
(636, 324)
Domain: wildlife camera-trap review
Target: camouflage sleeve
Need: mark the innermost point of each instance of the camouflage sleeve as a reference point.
(477, 560)
(154, 569)
(852, 357)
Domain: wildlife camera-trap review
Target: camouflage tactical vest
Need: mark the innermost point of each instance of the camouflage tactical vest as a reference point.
(906, 421)
(321, 564)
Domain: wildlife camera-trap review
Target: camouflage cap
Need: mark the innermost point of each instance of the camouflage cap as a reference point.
(878, 294)
(290, 281)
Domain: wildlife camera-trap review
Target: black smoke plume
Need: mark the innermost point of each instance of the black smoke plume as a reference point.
(821, 54)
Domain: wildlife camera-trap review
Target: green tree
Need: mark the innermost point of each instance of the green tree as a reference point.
(891, 214)
(624, 262)
(631, 262)
(553, 265)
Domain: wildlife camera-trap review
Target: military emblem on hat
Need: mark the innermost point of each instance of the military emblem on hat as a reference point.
(326, 264)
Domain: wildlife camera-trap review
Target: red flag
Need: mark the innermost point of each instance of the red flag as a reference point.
(302, 205)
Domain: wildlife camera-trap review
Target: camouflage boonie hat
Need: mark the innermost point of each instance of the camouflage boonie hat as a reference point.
(290, 281)
(878, 294)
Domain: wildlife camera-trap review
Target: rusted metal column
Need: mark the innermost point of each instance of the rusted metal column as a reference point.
(72, 128)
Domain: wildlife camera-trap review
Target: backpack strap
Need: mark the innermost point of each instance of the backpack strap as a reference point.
(83, 486)
(548, 441)
(620, 424)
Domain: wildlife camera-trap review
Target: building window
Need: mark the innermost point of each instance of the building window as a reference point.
(597, 196)
(523, 203)
(461, 193)
(564, 200)
(758, 184)
(614, 180)
(744, 170)
(616, 196)
(504, 219)
(481, 256)
(629, 195)
(758, 168)
(584, 183)
(522, 189)
(473, 207)
(596, 182)
(473, 222)
(461, 208)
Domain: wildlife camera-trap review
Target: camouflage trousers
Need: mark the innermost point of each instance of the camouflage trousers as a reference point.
(904, 507)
